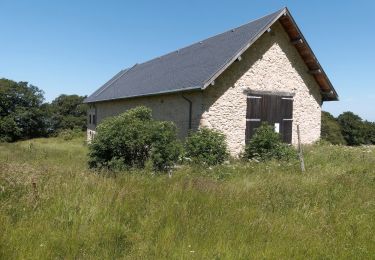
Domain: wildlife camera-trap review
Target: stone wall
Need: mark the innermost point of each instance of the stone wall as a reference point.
(271, 64)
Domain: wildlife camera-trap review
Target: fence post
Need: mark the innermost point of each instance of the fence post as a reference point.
(300, 152)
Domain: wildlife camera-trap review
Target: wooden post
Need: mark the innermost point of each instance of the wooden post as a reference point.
(300, 152)
(35, 189)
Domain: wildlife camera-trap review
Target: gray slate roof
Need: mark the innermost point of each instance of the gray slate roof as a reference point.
(190, 68)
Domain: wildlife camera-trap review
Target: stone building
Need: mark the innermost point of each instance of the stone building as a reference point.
(261, 71)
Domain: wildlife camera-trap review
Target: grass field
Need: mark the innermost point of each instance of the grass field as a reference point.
(235, 211)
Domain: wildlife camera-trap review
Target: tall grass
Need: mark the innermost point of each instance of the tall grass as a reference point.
(240, 210)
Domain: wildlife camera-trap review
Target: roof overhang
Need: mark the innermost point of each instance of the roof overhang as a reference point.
(327, 90)
(315, 69)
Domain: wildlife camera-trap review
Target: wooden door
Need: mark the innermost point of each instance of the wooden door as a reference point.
(275, 109)
(286, 120)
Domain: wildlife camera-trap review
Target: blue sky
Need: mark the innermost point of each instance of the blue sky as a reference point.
(75, 46)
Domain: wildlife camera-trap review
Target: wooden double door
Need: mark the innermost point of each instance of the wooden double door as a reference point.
(276, 110)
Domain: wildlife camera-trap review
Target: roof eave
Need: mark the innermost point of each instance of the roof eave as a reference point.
(191, 89)
(332, 94)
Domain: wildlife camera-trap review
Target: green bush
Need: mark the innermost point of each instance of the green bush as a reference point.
(266, 144)
(206, 146)
(165, 149)
(130, 139)
(331, 129)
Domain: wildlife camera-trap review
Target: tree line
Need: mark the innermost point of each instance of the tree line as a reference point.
(347, 129)
(24, 114)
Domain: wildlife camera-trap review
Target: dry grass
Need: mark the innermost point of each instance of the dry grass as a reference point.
(241, 210)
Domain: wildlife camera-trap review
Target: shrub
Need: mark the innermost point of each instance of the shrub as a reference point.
(266, 144)
(206, 146)
(131, 138)
(331, 129)
(165, 149)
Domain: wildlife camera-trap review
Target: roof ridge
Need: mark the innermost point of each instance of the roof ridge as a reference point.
(246, 45)
(264, 16)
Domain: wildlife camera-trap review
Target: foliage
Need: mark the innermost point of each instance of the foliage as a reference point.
(352, 128)
(265, 210)
(68, 112)
(206, 146)
(126, 137)
(266, 144)
(165, 149)
(21, 112)
(9, 130)
(331, 129)
(129, 139)
(369, 132)
(348, 128)
(23, 115)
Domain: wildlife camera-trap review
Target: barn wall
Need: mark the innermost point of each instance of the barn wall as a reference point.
(171, 107)
(270, 64)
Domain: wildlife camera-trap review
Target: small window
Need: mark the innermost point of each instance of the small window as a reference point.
(94, 119)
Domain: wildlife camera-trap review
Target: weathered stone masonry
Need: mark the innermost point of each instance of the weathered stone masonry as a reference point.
(270, 64)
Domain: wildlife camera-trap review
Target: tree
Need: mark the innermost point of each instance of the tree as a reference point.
(331, 129)
(68, 112)
(369, 132)
(21, 112)
(352, 128)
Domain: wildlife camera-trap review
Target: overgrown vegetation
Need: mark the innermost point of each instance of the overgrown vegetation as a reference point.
(69, 134)
(130, 139)
(165, 148)
(206, 146)
(24, 115)
(255, 210)
(67, 112)
(331, 129)
(348, 128)
(266, 144)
